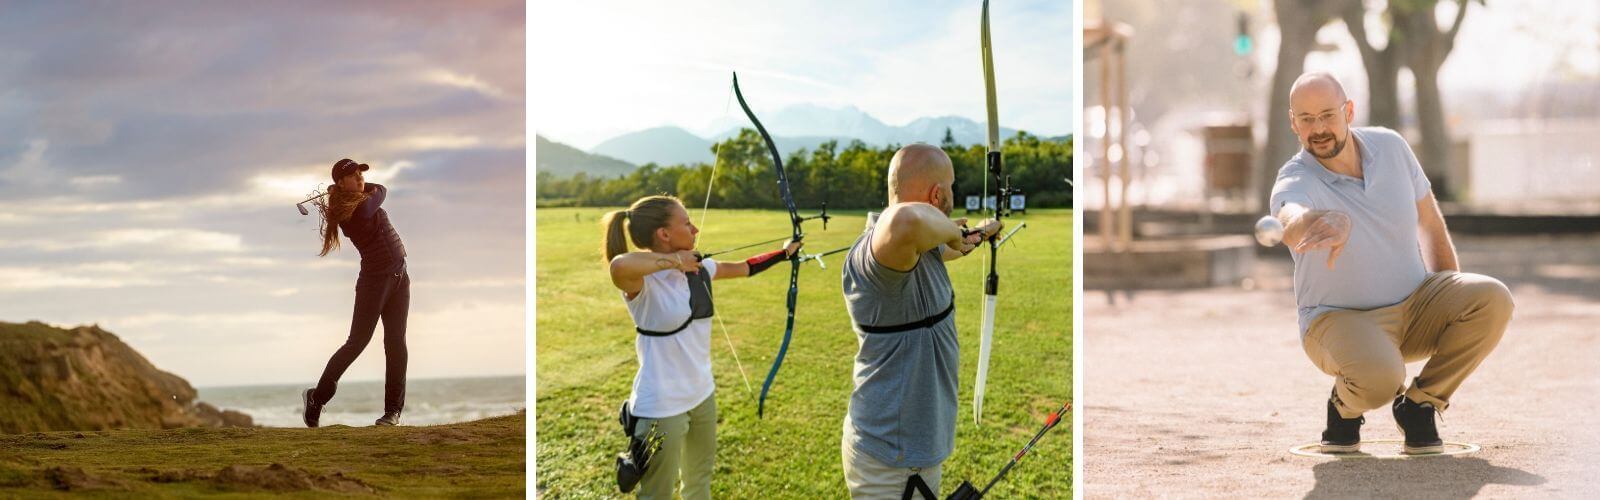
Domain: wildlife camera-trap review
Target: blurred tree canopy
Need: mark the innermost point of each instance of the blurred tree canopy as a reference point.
(850, 178)
(1414, 39)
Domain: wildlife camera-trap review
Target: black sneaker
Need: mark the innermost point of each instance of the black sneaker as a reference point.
(1416, 422)
(389, 418)
(313, 411)
(1343, 435)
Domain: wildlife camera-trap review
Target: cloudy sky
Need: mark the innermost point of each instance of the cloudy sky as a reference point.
(151, 155)
(621, 66)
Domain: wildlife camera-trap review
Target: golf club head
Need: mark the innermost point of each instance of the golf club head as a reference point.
(302, 209)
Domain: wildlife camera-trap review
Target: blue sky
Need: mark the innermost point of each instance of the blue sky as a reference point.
(151, 154)
(608, 68)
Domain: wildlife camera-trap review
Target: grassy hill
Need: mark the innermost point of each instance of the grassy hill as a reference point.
(562, 160)
(480, 459)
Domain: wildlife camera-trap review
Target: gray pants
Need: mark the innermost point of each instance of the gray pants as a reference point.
(870, 478)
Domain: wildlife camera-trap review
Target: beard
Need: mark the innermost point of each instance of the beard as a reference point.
(1338, 145)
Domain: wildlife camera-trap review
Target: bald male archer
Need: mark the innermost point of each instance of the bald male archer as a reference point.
(900, 425)
(1375, 273)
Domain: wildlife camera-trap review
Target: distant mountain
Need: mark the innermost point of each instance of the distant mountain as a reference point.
(804, 123)
(931, 131)
(793, 128)
(662, 145)
(563, 160)
(810, 120)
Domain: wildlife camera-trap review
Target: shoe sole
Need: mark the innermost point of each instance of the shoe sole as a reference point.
(1340, 448)
(1411, 449)
(1432, 449)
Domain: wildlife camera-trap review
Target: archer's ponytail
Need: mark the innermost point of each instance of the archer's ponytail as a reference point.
(638, 223)
(615, 242)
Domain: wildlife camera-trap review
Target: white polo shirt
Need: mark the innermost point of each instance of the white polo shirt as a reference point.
(675, 370)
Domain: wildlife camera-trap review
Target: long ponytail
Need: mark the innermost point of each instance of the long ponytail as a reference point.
(638, 223)
(335, 208)
(615, 242)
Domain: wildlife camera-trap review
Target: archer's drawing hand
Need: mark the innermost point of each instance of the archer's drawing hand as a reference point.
(683, 260)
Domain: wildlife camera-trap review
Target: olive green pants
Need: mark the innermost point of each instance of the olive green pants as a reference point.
(688, 450)
(1454, 320)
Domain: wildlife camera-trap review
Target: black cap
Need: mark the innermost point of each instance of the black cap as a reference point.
(347, 166)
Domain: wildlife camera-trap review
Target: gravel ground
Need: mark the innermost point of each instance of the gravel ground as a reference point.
(1200, 393)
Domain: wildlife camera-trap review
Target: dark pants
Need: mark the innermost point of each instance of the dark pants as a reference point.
(378, 295)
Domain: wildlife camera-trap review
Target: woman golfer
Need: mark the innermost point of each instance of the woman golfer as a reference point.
(667, 289)
(383, 289)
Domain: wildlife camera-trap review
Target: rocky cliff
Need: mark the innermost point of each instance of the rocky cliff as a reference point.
(85, 378)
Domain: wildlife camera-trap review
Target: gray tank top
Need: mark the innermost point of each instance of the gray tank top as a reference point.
(903, 407)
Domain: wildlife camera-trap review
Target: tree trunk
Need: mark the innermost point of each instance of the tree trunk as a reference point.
(1298, 22)
(1383, 70)
(1434, 152)
(1426, 50)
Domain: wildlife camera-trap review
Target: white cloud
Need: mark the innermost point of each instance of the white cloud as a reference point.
(178, 240)
(435, 142)
(91, 181)
(33, 279)
(445, 77)
(172, 240)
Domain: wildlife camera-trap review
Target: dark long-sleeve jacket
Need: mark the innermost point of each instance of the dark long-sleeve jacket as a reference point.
(374, 237)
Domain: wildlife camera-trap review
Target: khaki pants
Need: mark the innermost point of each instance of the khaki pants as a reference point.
(689, 449)
(870, 478)
(1453, 320)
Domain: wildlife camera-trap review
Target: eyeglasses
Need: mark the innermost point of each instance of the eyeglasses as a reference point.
(1329, 118)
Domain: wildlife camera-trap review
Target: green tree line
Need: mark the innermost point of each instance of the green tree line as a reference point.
(848, 178)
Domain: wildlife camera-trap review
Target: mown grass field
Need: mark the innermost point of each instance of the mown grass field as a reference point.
(481, 459)
(585, 361)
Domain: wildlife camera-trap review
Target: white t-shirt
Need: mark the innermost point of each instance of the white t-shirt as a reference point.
(675, 370)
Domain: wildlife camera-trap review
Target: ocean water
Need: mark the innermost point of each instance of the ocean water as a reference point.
(428, 401)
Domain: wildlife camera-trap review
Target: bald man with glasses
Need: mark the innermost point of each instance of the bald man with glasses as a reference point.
(1376, 278)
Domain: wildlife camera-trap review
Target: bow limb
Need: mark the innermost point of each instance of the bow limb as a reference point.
(992, 280)
(797, 235)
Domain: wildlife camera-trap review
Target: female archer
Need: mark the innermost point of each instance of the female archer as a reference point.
(667, 289)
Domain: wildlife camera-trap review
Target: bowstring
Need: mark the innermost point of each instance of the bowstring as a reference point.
(716, 159)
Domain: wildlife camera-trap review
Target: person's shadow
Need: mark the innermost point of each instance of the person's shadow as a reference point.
(1423, 477)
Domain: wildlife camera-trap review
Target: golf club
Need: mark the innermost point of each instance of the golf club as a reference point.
(302, 205)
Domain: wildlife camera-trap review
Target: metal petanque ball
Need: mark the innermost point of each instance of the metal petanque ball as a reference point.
(1269, 231)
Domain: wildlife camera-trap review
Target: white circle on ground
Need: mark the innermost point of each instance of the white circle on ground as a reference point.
(1384, 449)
